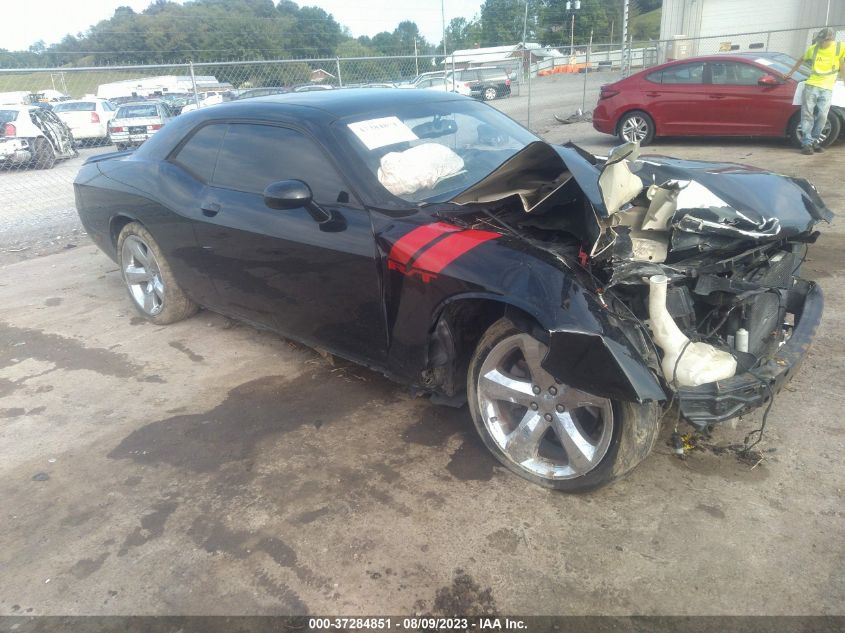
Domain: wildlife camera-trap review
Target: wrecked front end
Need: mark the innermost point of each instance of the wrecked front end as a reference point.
(700, 261)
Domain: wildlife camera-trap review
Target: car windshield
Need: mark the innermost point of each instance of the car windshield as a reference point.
(8, 115)
(782, 63)
(428, 152)
(80, 106)
(136, 111)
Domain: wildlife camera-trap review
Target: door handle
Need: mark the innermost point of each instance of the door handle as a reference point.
(652, 94)
(717, 96)
(210, 209)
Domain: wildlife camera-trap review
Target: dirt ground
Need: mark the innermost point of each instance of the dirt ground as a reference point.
(208, 468)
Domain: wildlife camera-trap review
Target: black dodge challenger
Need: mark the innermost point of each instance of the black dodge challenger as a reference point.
(569, 299)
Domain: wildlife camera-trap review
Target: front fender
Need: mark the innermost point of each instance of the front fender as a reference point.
(600, 365)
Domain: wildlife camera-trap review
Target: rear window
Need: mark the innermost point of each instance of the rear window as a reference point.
(136, 111)
(683, 74)
(81, 106)
(8, 115)
(492, 73)
(199, 154)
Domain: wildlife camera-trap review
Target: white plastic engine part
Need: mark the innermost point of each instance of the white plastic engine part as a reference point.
(699, 363)
(742, 340)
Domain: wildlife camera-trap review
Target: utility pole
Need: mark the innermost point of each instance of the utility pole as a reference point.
(572, 6)
(416, 59)
(623, 62)
(443, 21)
(524, 52)
(586, 72)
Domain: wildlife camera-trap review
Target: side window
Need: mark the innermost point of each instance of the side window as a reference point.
(199, 154)
(684, 74)
(425, 83)
(656, 78)
(469, 75)
(735, 74)
(253, 156)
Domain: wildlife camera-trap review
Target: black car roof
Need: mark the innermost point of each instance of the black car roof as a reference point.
(338, 103)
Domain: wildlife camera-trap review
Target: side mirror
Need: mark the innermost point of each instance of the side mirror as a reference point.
(768, 80)
(295, 194)
(287, 194)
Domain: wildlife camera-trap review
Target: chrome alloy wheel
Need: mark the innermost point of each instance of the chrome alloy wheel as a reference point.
(635, 128)
(142, 275)
(547, 428)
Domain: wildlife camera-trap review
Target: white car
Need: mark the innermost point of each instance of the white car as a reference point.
(87, 118)
(134, 123)
(438, 82)
(210, 99)
(34, 136)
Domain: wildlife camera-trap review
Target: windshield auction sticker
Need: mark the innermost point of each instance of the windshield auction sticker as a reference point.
(376, 133)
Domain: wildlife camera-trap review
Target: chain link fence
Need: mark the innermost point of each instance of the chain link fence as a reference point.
(39, 159)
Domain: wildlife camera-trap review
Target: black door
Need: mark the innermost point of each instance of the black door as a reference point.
(281, 268)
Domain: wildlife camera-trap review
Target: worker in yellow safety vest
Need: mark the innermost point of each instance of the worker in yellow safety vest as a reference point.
(827, 59)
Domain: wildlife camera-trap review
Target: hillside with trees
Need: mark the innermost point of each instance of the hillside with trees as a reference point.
(224, 30)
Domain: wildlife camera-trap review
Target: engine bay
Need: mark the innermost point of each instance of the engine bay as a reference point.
(704, 255)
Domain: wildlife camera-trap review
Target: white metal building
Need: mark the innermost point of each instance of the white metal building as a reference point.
(716, 19)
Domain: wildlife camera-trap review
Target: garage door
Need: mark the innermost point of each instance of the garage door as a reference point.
(720, 17)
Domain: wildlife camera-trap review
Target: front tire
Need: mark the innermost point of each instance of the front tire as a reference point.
(830, 131)
(636, 126)
(547, 432)
(151, 285)
(489, 94)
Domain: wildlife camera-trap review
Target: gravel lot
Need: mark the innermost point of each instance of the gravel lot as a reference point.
(208, 468)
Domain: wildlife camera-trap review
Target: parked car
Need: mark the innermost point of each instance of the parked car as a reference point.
(261, 92)
(439, 82)
(88, 119)
(485, 82)
(33, 136)
(434, 239)
(741, 94)
(313, 87)
(134, 123)
(204, 100)
(176, 101)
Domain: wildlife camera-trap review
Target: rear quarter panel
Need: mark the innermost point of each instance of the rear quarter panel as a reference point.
(154, 193)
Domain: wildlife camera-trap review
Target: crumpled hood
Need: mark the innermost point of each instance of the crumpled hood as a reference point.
(733, 195)
(706, 205)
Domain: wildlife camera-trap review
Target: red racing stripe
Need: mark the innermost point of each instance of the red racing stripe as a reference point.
(448, 250)
(410, 243)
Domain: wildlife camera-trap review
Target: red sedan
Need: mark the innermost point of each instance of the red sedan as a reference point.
(745, 94)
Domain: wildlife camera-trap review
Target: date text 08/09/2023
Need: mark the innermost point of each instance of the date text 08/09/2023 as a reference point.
(415, 623)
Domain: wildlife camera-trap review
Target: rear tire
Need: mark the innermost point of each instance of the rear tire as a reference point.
(489, 94)
(636, 126)
(558, 437)
(150, 282)
(44, 154)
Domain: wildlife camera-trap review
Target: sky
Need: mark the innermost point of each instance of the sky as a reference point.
(57, 18)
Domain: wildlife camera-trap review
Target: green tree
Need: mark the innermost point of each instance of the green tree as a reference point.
(462, 33)
(502, 21)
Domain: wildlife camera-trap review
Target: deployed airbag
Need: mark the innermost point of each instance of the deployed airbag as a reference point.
(418, 168)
